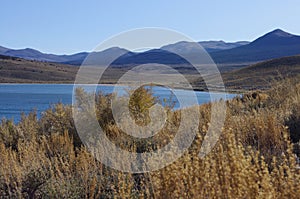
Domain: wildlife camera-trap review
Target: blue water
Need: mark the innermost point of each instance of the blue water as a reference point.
(18, 98)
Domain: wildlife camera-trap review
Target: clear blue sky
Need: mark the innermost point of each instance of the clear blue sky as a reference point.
(69, 26)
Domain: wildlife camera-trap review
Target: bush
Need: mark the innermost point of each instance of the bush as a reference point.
(253, 158)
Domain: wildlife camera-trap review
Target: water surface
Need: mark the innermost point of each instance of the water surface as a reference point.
(18, 98)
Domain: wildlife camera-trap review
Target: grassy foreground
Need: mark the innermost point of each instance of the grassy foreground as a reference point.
(254, 158)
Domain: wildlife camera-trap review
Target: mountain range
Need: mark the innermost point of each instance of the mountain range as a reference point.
(274, 44)
(76, 59)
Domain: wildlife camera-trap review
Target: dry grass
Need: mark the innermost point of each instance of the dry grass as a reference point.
(253, 158)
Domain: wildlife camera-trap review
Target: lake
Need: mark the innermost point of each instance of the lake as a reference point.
(18, 98)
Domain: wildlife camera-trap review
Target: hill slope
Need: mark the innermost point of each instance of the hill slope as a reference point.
(261, 75)
(17, 70)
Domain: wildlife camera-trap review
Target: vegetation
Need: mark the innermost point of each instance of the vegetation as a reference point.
(255, 156)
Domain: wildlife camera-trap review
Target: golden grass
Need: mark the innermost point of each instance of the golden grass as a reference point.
(254, 157)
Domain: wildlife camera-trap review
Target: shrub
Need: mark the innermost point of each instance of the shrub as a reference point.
(44, 158)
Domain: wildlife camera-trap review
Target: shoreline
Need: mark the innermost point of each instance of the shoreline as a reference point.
(227, 90)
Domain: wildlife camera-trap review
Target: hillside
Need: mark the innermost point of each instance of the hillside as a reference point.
(17, 70)
(257, 76)
(263, 74)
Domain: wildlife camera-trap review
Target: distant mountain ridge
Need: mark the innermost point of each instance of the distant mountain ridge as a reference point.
(274, 44)
(77, 59)
(32, 54)
(3, 50)
(209, 46)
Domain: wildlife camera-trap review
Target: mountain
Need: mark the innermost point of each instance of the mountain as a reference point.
(32, 54)
(275, 44)
(151, 56)
(164, 55)
(213, 46)
(209, 46)
(272, 45)
(3, 49)
(77, 59)
(105, 56)
(99, 58)
(74, 59)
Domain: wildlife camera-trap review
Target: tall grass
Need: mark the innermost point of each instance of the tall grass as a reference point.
(254, 157)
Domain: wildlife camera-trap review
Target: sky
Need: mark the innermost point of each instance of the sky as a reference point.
(71, 26)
